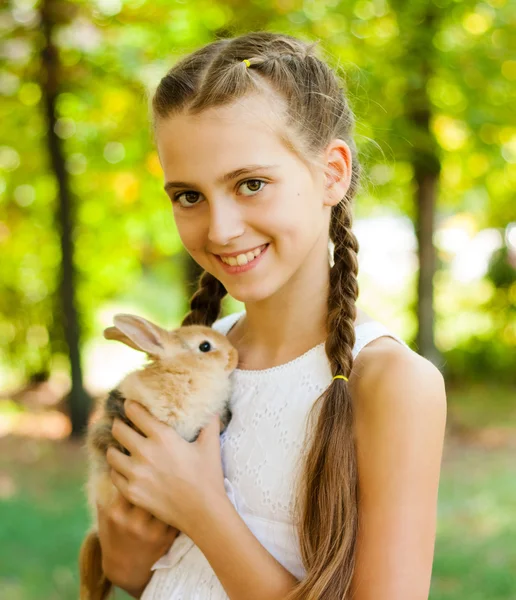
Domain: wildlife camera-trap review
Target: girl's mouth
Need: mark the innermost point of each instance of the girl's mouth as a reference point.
(242, 262)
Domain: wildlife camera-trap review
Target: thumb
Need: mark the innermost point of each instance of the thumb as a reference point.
(211, 433)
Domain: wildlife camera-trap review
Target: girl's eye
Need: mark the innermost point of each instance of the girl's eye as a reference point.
(254, 181)
(188, 201)
(190, 198)
(205, 347)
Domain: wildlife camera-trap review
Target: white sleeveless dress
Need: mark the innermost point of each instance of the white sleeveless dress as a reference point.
(260, 450)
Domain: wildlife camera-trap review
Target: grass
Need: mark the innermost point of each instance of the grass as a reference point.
(475, 555)
(43, 516)
(43, 512)
(479, 405)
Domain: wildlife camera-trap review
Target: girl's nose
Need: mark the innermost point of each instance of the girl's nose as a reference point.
(226, 222)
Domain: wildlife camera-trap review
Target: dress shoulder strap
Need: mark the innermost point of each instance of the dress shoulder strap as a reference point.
(224, 324)
(371, 330)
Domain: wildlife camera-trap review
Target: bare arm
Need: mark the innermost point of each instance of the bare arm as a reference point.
(244, 567)
(400, 404)
(132, 540)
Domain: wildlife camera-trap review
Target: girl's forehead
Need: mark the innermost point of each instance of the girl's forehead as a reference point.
(239, 120)
(219, 137)
(265, 109)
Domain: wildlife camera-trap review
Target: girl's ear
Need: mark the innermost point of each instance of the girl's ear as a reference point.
(138, 333)
(338, 172)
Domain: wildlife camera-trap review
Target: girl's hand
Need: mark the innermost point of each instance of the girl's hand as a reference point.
(174, 480)
(132, 540)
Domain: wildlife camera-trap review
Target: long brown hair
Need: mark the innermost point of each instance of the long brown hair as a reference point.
(316, 111)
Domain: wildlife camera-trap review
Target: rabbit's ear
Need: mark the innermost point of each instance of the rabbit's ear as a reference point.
(138, 333)
(112, 333)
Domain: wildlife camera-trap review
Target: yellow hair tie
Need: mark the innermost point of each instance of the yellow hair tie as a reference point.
(247, 62)
(340, 377)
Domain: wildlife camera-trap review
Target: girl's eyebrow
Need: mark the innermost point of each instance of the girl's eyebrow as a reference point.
(224, 179)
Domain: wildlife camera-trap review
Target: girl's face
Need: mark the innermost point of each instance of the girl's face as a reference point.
(237, 190)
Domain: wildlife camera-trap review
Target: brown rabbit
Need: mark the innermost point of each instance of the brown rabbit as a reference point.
(185, 383)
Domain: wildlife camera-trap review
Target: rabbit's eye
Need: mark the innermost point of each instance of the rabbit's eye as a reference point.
(205, 347)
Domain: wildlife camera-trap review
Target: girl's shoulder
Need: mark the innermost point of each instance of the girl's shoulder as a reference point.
(389, 376)
(387, 356)
(399, 404)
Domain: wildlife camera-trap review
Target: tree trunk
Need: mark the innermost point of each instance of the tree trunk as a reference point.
(419, 25)
(426, 195)
(78, 400)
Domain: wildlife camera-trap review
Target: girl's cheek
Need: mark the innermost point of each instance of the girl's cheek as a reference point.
(189, 235)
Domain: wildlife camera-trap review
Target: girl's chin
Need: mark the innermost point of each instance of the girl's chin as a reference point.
(248, 294)
(241, 292)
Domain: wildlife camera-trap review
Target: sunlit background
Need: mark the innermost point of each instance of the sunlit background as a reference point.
(433, 88)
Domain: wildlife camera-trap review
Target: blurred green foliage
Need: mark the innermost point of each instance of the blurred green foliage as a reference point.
(114, 53)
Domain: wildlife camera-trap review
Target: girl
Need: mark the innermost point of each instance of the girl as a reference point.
(325, 484)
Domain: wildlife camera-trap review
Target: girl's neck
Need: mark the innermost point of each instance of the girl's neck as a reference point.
(267, 336)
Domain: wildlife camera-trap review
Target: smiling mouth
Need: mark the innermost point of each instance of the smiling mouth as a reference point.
(243, 259)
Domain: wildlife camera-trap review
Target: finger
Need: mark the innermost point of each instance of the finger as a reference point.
(119, 461)
(210, 435)
(117, 503)
(120, 482)
(142, 418)
(140, 514)
(149, 424)
(123, 511)
(121, 503)
(117, 509)
(127, 436)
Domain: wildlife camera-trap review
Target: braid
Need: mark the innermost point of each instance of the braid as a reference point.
(205, 303)
(343, 291)
(333, 520)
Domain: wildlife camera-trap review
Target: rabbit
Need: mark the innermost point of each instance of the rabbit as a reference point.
(185, 383)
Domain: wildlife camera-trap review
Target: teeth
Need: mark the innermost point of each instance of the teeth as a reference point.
(241, 259)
